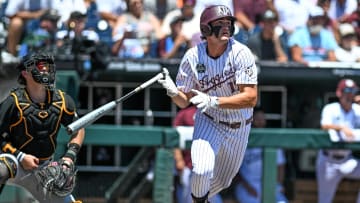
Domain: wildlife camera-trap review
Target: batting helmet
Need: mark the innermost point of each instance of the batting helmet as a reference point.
(212, 13)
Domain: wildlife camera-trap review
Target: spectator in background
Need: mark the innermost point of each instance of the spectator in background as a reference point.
(313, 42)
(175, 44)
(75, 27)
(293, 14)
(110, 10)
(348, 51)
(66, 7)
(341, 9)
(75, 40)
(44, 37)
(267, 44)
(248, 182)
(330, 24)
(249, 12)
(191, 19)
(135, 31)
(354, 19)
(24, 16)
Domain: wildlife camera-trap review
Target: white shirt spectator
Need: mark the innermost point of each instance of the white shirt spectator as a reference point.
(335, 14)
(15, 6)
(115, 7)
(352, 55)
(292, 14)
(189, 27)
(65, 7)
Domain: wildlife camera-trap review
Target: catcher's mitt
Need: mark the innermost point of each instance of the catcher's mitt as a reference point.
(57, 178)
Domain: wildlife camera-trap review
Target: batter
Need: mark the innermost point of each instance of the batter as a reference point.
(219, 77)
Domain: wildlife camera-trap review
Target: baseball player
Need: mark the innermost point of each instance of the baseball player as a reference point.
(334, 165)
(219, 77)
(30, 119)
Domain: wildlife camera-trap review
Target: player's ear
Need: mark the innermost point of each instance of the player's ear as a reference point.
(338, 93)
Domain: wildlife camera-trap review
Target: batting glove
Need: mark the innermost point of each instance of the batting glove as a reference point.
(168, 84)
(204, 101)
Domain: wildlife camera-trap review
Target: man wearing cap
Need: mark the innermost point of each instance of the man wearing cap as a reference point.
(175, 44)
(191, 20)
(76, 28)
(313, 42)
(267, 44)
(44, 37)
(340, 119)
(348, 51)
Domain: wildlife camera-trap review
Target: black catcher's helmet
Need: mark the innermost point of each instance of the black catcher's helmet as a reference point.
(42, 67)
(212, 13)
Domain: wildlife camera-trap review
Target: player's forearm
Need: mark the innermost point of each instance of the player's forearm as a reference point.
(78, 138)
(181, 100)
(332, 127)
(246, 99)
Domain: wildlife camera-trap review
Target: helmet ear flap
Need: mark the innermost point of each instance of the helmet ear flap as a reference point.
(205, 30)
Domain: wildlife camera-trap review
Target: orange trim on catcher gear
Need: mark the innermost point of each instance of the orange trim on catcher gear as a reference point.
(9, 148)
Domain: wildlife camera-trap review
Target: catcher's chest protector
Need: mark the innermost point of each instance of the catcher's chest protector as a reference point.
(37, 124)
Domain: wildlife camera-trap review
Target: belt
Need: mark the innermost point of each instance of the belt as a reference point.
(232, 125)
(334, 156)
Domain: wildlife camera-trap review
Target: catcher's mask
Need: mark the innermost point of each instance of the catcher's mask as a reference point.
(213, 13)
(42, 68)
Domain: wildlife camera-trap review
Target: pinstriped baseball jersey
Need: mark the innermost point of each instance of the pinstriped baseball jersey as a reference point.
(219, 77)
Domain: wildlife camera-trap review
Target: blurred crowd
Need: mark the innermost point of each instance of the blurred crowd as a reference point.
(301, 31)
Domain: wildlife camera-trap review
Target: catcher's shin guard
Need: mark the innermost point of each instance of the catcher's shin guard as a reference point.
(8, 167)
(203, 199)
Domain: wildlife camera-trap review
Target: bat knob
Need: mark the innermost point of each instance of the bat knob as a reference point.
(165, 72)
(69, 131)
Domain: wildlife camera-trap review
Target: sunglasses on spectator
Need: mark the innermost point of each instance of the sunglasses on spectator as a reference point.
(350, 90)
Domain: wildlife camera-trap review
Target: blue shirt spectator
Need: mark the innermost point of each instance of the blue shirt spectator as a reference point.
(313, 42)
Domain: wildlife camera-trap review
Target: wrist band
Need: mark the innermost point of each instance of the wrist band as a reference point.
(20, 156)
(73, 150)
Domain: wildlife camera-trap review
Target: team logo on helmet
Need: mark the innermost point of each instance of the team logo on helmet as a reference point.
(223, 11)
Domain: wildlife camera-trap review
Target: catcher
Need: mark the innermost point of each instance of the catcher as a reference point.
(30, 119)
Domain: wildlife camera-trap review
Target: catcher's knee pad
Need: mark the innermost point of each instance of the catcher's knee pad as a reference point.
(8, 167)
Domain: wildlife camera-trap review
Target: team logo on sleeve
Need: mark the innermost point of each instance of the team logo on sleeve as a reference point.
(249, 71)
(200, 68)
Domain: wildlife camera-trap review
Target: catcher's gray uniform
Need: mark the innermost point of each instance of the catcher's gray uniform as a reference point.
(27, 179)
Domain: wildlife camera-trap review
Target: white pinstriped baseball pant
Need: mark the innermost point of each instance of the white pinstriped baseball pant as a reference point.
(216, 152)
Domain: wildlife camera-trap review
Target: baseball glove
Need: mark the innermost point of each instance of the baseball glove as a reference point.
(57, 178)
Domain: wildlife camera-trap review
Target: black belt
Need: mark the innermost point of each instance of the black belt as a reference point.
(333, 156)
(232, 125)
